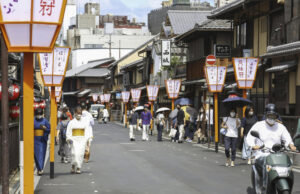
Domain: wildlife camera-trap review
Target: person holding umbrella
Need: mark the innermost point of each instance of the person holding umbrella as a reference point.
(160, 122)
(180, 123)
(231, 124)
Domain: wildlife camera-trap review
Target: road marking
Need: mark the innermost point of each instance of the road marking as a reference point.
(63, 184)
(127, 143)
(96, 191)
(136, 150)
(103, 134)
(93, 182)
(90, 174)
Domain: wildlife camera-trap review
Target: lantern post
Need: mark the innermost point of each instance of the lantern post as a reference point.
(136, 95)
(215, 78)
(152, 92)
(30, 26)
(95, 98)
(173, 88)
(125, 98)
(107, 99)
(245, 70)
(53, 69)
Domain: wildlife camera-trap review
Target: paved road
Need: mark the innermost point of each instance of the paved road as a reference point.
(118, 166)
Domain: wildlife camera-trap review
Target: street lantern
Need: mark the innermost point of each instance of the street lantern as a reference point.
(57, 91)
(31, 25)
(14, 111)
(152, 92)
(136, 95)
(102, 99)
(125, 98)
(95, 97)
(245, 71)
(173, 89)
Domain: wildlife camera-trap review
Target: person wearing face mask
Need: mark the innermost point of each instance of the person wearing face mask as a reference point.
(271, 132)
(231, 124)
(247, 122)
(41, 133)
(180, 123)
(78, 135)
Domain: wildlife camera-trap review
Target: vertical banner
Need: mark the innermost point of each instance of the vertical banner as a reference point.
(125, 97)
(215, 77)
(152, 92)
(102, 99)
(107, 97)
(136, 94)
(95, 97)
(245, 71)
(166, 52)
(173, 88)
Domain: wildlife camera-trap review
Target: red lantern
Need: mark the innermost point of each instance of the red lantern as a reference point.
(42, 104)
(14, 112)
(36, 105)
(14, 92)
(0, 90)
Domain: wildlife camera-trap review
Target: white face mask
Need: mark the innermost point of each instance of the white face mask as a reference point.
(232, 114)
(251, 113)
(39, 117)
(78, 117)
(270, 121)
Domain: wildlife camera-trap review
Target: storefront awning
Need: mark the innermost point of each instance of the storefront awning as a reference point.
(70, 93)
(194, 82)
(282, 67)
(84, 92)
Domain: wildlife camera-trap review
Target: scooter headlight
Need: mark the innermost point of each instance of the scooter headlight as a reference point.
(269, 168)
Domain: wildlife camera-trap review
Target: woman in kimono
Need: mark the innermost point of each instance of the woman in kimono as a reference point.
(41, 133)
(78, 136)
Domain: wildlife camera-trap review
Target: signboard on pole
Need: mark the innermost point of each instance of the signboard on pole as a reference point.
(125, 96)
(136, 94)
(107, 97)
(173, 88)
(211, 60)
(95, 97)
(166, 52)
(245, 71)
(152, 91)
(222, 51)
(215, 77)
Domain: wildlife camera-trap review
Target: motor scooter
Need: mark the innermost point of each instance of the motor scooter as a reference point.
(272, 174)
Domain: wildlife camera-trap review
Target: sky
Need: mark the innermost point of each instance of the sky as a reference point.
(138, 9)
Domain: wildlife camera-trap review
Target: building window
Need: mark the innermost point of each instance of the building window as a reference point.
(241, 35)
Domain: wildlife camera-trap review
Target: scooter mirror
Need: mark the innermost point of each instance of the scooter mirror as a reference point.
(255, 134)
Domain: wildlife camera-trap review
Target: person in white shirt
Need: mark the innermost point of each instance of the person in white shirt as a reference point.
(105, 115)
(161, 123)
(231, 124)
(270, 132)
(89, 119)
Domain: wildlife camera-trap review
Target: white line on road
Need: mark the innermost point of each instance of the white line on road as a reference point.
(127, 143)
(136, 150)
(63, 184)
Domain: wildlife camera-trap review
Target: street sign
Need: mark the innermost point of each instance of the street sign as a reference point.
(245, 71)
(152, 92)
(136, 94)
(125, 96)
(222, 51)
(211, 60)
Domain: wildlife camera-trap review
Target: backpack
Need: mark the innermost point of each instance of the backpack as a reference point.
(63, 130)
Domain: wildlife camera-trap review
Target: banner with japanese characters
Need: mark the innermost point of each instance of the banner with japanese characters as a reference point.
(245, 71)
(136, 94)
(152, 92)
(61, 56)
(165, 52)
(47, 10)
(107, 97)
(215, 77)
(125, 96)
(173, 88)
(95, 97)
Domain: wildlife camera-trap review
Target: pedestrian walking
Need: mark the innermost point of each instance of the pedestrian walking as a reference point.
(64, 150)
(231, 124)
(247, 122)
(133, 124)
(78, 136)
(88, 117)
(67, 111)
(100, 116)
(201, 126)
(41, 133)
(160, 125)
(105, 115)
(146, 118)
(180, 123)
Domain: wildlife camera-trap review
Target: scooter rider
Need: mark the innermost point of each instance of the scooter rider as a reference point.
(271, 132)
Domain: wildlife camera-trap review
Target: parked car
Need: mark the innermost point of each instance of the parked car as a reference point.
(95, 109)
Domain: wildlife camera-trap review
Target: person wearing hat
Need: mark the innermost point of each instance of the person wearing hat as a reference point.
(133, 124)
(146, 121)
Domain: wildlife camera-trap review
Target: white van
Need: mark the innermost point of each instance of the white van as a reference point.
(95, 109)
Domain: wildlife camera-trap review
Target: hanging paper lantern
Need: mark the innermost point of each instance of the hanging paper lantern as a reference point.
(42, 104)
(14, 92)
(14, 112)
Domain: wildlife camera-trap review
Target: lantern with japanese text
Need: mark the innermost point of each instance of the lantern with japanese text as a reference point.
(136, 95)
(95, 97)
(215, 77)
(125, 96)
(173, 89)
(14, 112)
(107, 98)
(14, 92)
(152, 92)
(31, 25)
(102, 99)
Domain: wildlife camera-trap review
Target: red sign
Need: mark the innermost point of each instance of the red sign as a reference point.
(211, 60)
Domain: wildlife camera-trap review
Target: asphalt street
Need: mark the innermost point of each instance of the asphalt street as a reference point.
(119, 166)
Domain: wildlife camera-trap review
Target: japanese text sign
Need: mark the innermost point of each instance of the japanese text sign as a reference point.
(165, 52)
(152, 92)
(95, 97)
(125, 96)
(102, 99)
(107, 97)
(245, 71)
(136, 94)
(173, 88)
(215, 77)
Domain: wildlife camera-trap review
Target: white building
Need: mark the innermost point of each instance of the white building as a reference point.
(220, 3)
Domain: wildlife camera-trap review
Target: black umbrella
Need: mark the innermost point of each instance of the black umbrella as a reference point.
(235, 101)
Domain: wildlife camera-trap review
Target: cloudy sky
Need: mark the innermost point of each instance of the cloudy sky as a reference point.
(133, 8)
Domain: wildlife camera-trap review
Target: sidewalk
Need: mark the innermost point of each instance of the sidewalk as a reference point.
(294, 156)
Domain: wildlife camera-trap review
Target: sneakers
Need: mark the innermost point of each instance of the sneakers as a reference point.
(40, 173)
(227, 162)
(249, 161)
(78, 171)
(232, 164)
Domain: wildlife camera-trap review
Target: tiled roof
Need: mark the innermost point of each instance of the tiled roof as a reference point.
(283, 50)
(99, 72)
(215, 24)
(228, 7)
(183, 20)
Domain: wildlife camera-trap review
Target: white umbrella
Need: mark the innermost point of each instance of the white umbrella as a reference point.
(139, 108)
(162, 109)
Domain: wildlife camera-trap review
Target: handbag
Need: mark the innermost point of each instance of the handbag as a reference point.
(172, 133)
(223, 131)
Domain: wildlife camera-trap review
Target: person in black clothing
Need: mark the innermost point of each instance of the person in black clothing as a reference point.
(180, 123)
(133, 124)
(247, 122)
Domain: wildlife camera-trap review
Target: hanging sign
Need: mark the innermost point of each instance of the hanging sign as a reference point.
(125, 96)
(95, 97)
(152, 92)
(107, 97)
(173, 88)
(165, 52)
(136, 94)
(102, 99)
(245, 71)
(215, 77)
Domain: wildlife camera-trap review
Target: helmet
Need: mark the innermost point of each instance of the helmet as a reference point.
(271, 109)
